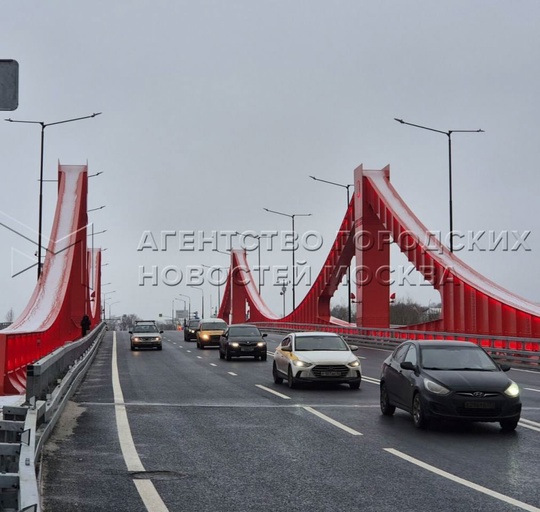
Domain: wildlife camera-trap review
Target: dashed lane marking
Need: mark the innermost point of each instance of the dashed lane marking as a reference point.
(333, 422)
(281, 395)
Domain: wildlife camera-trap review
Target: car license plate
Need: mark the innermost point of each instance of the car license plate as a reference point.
(479, 405)
(329, 374)
(247, 349)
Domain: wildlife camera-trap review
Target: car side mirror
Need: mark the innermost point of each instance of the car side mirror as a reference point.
(264, 335)
(286, 349)
(504, 367)
(160, 332)
(130, 332)
(353, 348)
(407, 365)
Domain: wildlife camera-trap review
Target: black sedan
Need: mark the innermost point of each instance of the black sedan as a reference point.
(448, 380)
(241, 340)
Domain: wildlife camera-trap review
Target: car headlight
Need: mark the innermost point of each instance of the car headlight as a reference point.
(261, 344)
(435, 388)
(136, 339)
(303, 364)
(205, 337)
(512, 390)
(354, 364)
(234, 344)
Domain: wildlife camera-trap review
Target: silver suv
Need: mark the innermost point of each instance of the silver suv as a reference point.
(146, 334)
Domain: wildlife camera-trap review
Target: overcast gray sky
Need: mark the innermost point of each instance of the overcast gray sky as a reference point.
(213, 110)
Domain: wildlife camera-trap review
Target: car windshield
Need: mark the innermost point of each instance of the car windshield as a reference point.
(320, 343)
(244, 331)
(456, 358)
(145, 328)
(193, 323)
(213, 326)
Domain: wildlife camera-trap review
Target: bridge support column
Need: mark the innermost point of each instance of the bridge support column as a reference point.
(372, 250)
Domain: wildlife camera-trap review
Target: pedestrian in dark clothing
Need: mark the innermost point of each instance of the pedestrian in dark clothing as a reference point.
(85, 325)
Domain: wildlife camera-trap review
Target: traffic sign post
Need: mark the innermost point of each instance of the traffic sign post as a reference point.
(9, 84)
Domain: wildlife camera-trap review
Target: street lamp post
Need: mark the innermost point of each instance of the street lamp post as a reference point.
(110, 305)
(189, 302)
(43, 126)
(349, 267)
(291, 216)
(202, 299)
(104, 302)
(219, 281)
(449, 135)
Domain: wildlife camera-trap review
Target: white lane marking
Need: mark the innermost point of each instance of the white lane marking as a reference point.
(233, 374)
(213, 364)
(529, 424)
(523, 370)
(189, 351)
(371, 380)
(273, 392)
(532, 389)
(180, 346)
(199, 357)
(333, 422)
(462, 481)
(151, 499)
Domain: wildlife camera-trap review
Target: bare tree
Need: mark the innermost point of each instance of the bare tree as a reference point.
(10, 315)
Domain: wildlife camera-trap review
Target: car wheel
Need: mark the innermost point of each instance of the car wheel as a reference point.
(132, 347)
(509, 425)
(227, 355)
(277, 378)
(264, 357)
(198, 344)
(291, 381)
(160, 348)
(419, 416)
(386, 407)
(354, 385)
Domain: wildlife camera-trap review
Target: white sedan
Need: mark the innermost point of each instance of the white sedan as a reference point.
(316, 357)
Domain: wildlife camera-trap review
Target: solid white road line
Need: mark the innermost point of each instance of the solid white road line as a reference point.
(273, 392)
(151, 499)
(462, 481)
(532, 389)
(333, 422)
(233, 374)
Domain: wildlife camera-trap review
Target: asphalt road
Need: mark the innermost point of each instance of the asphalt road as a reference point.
(181, 430)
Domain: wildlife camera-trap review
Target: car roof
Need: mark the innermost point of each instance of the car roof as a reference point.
(440, 343)
(242, 325)
(314, 333)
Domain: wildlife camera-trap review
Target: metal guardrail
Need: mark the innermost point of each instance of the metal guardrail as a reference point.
(518, 352)
(50, 383)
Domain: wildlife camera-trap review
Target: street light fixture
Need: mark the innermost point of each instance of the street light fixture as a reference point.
(43, 126)
(95, 209)
(291, 216)
(349, 267)
(449, 135)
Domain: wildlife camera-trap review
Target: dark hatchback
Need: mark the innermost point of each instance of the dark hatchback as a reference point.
(448, 380)
(190, 330)
(242, 341)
